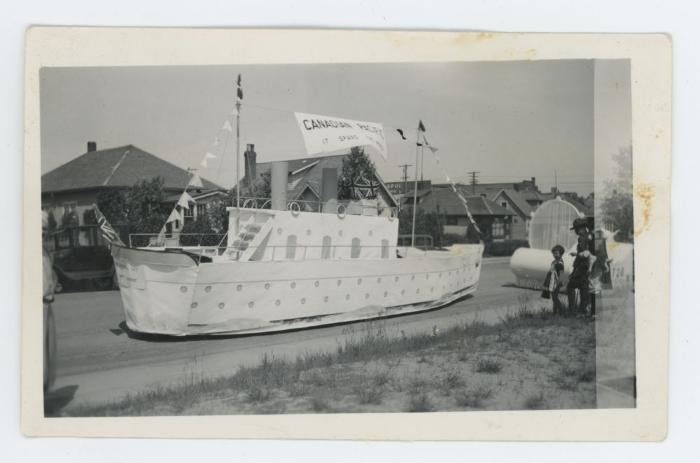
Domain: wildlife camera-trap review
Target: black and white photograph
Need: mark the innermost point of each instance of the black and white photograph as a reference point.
(337, 238)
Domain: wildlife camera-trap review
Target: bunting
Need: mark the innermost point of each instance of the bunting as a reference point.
(206, 158)
(195, 181)
(185, 200)
(174, 216)
(108, 233)
(227, 126)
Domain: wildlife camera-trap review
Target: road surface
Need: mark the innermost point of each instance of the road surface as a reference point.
(99, 361)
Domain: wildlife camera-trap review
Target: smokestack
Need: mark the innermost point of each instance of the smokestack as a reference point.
(329, 184)
(278, 185)
(250, 159)
(91, 146)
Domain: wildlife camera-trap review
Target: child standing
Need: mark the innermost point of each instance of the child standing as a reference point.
(552, 282)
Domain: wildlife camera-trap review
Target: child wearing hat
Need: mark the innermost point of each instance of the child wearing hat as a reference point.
(583, 262)
(552, 282)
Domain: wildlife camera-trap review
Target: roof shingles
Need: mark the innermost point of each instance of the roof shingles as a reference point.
(119, 167)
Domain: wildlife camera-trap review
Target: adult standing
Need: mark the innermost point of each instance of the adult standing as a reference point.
(579, 280)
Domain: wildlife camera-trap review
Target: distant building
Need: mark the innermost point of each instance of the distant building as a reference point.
(494, 221)
(70, 190)
(514, 201)
(305, 178)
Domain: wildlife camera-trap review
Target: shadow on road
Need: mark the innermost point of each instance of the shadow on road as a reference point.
(56, 400)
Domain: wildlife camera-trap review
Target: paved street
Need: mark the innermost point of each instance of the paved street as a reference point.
(99, 361)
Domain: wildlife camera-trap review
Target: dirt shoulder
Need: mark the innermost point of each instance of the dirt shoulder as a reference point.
(529, 360)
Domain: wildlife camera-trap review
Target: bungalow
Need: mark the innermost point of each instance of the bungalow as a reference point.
(514, 201)
(69, 191)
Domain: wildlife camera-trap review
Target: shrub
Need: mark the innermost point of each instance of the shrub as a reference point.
(488, 366)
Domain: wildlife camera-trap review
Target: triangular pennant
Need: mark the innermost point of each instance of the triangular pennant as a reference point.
(205, 159)
(227, 126)
(196, 181)
(185, 200)
(174, 215)
(216, 142)
(234, 112)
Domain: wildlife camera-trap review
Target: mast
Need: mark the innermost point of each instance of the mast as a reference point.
(415, 190)
(239, 97)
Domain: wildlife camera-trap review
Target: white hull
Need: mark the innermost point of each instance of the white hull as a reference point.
(167, 292)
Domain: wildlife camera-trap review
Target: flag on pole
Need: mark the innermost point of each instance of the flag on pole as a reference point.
(421, 127)
(195, 181)
(205, 160)
(430, 147)
(185, 200)
(227, 126)
(239, 90)
(174, 215)
(108, 233)
(403, 137)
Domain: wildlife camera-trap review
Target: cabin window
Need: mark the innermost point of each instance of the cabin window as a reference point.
(355, 249)
(385, 249)
(326, 248)
(291, 246)
(451, 220)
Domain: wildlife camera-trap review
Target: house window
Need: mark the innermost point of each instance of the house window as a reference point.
(201, 210)
(497, 229)
(326, 248)
(385, 249)
(188, 213)
(291, 246)
(504, 204)
(355, 249)
(451, 220)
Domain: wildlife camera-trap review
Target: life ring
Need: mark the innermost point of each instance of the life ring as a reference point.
(250, 204)
(392, 214)
(295, 211)
(341, 212)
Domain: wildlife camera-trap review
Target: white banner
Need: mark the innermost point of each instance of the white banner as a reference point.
(325, 134)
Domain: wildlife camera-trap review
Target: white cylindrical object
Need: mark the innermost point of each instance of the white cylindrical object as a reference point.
(278, 185)
(530, 267)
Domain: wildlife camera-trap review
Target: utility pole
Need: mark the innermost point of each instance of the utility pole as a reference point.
(405, 176)
(475, 179)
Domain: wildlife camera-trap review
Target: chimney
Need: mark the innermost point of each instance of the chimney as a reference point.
(91, 146)
(250, 159)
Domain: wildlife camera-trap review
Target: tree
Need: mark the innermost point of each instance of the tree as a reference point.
(427, 223)
(145, 208)
(355, 165)
(617, 205)
(200, 232)
(112, 203)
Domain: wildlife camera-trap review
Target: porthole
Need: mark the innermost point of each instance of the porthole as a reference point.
(279, 231)
(207, 289)
(413, 277)
(239, 287)
(293, 284)
(340, 232)
(417, 290)
(403, 291)
(347, 297)
(396, 278)
(427, 276)
(193, 305)
(316, 283)
(366, 295)
(379, 280)
(339, 282)
(325, 299)
(359, 281)
(370, 233)
(308, 232)
(431, 289)
(303, 300)
(440, 275)
(386, 293)
(251, 304)
(221, 305)
(278, 302)
(183, 289)
(267, 285)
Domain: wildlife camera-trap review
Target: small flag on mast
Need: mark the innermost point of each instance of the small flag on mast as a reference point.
(239, 90)
(421, 127)
(185, 200)
(227, 126)
(195, 181)
(174, 215)
(108, 233)
(403, 137)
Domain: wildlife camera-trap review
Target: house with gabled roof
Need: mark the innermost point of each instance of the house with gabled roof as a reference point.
(493, 220)
(305, 177)
(71, 189)
(514, 201)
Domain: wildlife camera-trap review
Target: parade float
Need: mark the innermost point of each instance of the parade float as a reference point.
(282, 267)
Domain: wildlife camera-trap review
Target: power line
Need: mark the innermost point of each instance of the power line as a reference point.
(475, 178)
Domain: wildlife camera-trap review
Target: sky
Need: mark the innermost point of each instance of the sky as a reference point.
(507, 120)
